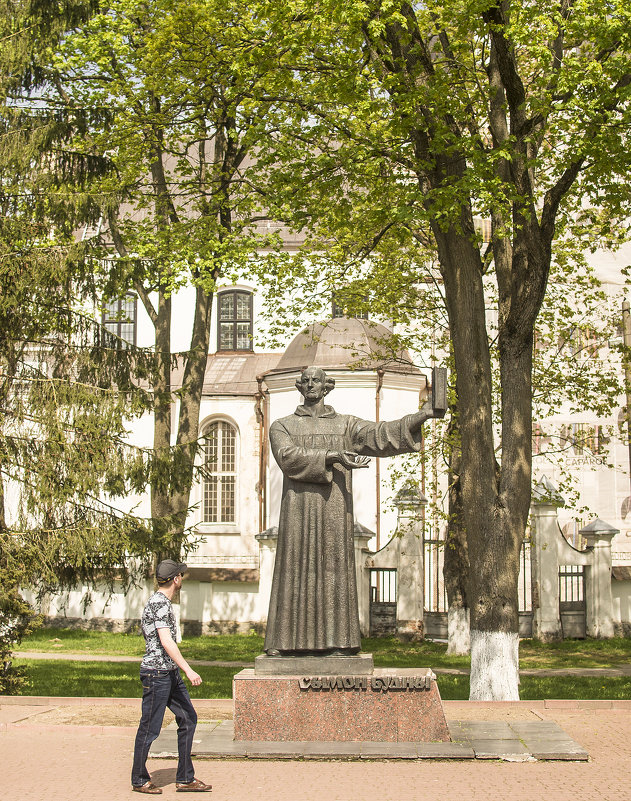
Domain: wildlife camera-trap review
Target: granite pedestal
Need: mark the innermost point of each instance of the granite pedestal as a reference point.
(314, 703)
(356, 665)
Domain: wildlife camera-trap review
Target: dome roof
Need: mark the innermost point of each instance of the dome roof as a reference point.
(345, 343)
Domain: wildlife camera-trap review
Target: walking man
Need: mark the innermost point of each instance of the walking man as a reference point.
(162, 686)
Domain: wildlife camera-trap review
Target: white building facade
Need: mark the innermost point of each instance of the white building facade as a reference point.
(235, 504)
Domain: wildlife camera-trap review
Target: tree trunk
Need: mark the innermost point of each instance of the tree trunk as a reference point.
(190, 404)
(494, 562)
(456, 565)
(161, 511)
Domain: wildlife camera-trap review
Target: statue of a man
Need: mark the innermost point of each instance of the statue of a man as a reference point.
(313, 605)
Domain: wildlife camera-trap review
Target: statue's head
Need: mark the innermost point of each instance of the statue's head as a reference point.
(314, 383)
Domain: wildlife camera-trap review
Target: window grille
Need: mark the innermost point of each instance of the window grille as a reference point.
(119, 318)
(219, 473)
(235, 321)
(345, 303)
(585, 439)
(383, 586)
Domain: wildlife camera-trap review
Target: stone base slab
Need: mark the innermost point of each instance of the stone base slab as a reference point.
(391, 705)
(358, 665)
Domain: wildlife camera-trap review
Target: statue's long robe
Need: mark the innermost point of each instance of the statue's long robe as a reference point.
(313, 604)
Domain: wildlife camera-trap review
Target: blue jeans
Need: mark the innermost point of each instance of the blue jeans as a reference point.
(162, 689)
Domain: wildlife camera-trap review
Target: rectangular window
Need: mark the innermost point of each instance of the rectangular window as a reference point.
(119, 318)
(235, 321)
(346, 303)
(220, 473)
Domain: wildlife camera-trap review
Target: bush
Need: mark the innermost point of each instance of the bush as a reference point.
(17, 619)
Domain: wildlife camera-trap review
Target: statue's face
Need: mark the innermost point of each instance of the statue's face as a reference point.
(312, 384)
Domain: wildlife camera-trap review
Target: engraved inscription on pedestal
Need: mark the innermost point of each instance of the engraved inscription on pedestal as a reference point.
(389, 705)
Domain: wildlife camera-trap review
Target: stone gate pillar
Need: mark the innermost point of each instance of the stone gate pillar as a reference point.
(544, 561)
(409, 502)
(267, 554)
(598, 600)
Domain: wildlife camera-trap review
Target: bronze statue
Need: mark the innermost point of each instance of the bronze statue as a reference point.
(313, 605)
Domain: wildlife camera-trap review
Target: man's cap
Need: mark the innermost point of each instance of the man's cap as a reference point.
(168, 569)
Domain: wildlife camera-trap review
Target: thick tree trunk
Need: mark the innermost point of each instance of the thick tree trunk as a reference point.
(172, 484)
(494, 564)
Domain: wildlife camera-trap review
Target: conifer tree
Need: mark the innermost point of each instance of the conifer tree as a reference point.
(67, 387)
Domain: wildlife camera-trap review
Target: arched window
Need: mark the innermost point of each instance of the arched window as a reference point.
(219, 473)
(234, 331)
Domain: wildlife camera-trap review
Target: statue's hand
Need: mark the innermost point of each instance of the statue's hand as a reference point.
(427, 410)
(351, 460)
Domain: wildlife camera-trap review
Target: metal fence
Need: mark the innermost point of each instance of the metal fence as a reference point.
(383, 586)
(435, 592)
(571, 586)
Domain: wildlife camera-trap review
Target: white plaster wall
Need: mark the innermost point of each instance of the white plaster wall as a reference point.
(234, 601)
(621, 597)
(183, 306)
(117, 606)
(603, 490)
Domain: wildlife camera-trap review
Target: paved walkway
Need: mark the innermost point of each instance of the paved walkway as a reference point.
(57, 762)
(621, 670)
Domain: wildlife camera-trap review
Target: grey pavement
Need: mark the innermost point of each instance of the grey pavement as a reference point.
(515, 741)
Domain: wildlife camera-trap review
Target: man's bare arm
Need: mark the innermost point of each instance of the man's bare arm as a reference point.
(170, 646)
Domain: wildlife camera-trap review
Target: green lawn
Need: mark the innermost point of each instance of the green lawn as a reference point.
(222, 647)
(110, 679)
(532, 654)
(386, 651)
(120, 680)
(116, 679)
(533, 688)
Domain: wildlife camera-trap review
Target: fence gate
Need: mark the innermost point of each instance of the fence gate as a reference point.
(572, 608)
(383, 602)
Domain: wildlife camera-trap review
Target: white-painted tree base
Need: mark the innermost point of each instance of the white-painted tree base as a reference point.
(459, 640)
(494, 666)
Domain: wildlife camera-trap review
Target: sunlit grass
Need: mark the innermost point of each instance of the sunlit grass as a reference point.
(75, 678)
(120, 680)
(387, 651)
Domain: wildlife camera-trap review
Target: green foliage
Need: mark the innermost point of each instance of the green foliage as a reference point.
(68, 389)
(177, 102)
(424, 120)
(18, 621)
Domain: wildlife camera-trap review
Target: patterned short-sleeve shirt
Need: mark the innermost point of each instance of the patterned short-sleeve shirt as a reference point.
(157, 614)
